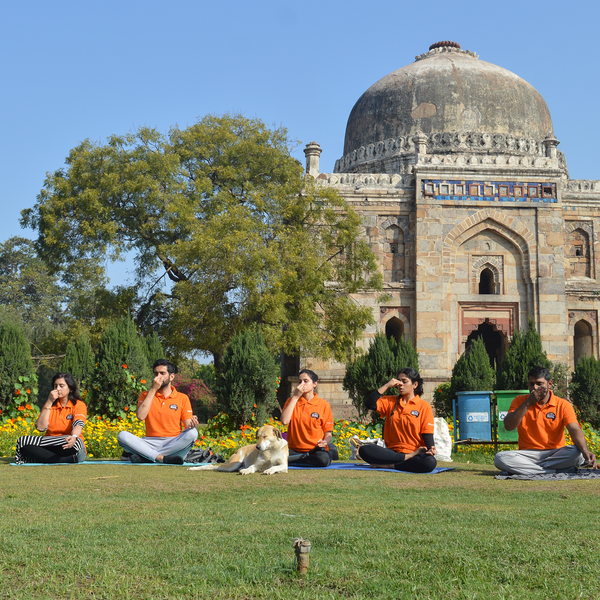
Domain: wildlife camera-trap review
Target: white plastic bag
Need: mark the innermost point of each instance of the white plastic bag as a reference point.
(442, 440)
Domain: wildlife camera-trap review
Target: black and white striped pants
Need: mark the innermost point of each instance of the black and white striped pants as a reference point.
(48, 449)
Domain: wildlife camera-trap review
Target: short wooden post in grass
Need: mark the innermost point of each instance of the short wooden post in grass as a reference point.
(302, 548)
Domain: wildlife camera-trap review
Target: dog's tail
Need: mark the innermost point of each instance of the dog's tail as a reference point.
(208, 467)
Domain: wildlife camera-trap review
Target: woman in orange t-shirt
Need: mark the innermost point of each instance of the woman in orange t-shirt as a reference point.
(408, 430)
(310, 424)
(62, 418)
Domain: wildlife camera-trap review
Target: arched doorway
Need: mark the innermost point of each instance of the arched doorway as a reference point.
(494, 340)
(394, 328)
(582, 340)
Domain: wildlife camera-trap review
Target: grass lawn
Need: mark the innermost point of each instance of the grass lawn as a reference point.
(162, 532)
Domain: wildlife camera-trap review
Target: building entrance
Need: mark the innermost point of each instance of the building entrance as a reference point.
(494, 340)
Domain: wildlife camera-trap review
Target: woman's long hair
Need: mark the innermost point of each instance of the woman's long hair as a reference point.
(70, 381)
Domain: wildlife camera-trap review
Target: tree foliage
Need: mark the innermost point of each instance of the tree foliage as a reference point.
(15, 364)
(369, 372)
(29, 291)
(585, 390)
(79, 361)
(472, 371)
(121, 364)
(153, 347)
(247, 384)
(224, 211)
(524, 352)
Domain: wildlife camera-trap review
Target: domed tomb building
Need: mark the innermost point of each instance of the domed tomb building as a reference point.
(468, 205)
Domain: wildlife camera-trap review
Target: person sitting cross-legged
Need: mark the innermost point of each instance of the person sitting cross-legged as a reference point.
(408, 429)
(163, 410)
(540, 418)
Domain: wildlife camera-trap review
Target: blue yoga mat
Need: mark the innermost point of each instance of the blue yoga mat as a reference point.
(365, 467)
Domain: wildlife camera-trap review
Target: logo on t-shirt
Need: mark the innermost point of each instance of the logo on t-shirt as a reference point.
(550, 415)
(414, 413)
(69, 417)
(315, 415)
(174, 406)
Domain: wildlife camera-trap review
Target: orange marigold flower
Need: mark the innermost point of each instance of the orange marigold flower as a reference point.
(29, 391)
(21, 408)
(124, 366)
(17, 392)
(142, 381)
(255, 406)
(28, 406)
(126, 408)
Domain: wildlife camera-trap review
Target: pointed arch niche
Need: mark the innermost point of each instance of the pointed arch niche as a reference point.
(395, 322)
(583, 334)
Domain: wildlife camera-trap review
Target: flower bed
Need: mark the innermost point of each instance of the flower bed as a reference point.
(100, 434)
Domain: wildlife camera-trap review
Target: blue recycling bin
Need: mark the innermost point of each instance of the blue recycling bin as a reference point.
(475, 415)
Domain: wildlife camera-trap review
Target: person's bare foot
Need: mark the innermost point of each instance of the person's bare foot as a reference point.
(419, 450)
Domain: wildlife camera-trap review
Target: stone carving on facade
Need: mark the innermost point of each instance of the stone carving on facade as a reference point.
(472, 147)
(372, 180)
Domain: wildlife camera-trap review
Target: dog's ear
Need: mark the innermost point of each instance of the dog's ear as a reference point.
(278, 433)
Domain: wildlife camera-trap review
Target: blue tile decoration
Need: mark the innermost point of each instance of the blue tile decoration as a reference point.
(545, 192)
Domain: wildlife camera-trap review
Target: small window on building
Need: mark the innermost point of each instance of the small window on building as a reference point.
(503, 190)
(518, 191)
(547, 191)
(488, 190)
(486, 282)
(459, 190)
(473, 190)
(444, 189)
(533, 191)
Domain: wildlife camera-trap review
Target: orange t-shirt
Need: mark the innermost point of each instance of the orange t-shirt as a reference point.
(63, 419)
(403, 431)
(310, 421)
(167, 414)
(543, 428)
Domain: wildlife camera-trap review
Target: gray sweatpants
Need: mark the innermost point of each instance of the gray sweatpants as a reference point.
(151, 447)
(538, 462)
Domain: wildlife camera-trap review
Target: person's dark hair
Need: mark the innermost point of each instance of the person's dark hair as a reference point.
(311, 374)
(538, 372)
(163, 362)
(414, 376)
(70, 381)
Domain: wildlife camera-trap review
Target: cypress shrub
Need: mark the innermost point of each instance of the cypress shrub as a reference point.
(472, 371)
(122, 371)
(248, 381)
(17, 374)
(585, 390)
(381, 363)
(524, 352)
(154, 349)
(79, 361)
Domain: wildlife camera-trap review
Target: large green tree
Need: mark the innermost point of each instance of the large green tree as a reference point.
(29, 291)
(223, 211)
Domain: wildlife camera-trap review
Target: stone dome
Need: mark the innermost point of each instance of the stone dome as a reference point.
(447, 91)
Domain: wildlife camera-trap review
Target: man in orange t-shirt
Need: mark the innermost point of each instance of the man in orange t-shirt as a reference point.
(164, 411)
(541, 418)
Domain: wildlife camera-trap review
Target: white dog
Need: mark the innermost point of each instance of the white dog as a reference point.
(268, 456)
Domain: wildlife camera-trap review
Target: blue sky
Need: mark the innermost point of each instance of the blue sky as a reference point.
(77, 70)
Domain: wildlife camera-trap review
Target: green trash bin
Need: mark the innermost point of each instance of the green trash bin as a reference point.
(504, 399)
